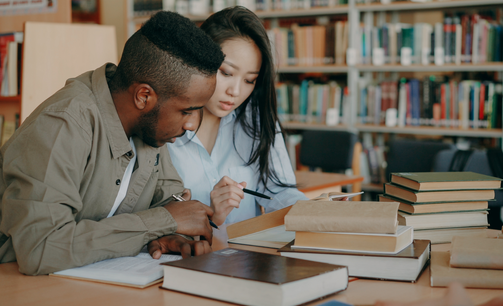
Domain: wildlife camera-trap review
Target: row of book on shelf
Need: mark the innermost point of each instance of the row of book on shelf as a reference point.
(432, 101)
(461, 38)
(10, 58)
(325, 241)
(205, 7)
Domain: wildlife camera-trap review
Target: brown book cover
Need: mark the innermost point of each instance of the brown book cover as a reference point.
(356, 242)
(442, 274)
(476, 252)
(405, 265)
(437, 196)
(254, 278)
(445, 180)
(343, 216)
(434, 207)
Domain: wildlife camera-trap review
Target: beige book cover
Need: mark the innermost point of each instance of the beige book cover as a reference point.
(442, 274)
(343, 216)
(476, 252)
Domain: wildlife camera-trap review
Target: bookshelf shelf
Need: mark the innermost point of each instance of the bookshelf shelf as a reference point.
(490, 66)
(290, 125)
(433, 5)
(320, 69)
(317, 11)
(410, 130)
(10, 99)
(429, 130)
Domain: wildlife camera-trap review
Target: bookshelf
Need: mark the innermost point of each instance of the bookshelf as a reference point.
(11, 106)
(374, 14)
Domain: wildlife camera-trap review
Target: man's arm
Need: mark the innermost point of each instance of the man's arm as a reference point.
(43, 212)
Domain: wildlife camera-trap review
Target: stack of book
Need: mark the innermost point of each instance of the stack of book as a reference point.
(473, 262)
(364, 236)
(440, 205)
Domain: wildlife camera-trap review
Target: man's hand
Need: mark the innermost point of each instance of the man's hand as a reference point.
(225, 196)
(192, 218)
(177, 244)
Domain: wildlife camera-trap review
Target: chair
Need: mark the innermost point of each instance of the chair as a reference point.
(406, 155)
(332, 151)
(475, 161)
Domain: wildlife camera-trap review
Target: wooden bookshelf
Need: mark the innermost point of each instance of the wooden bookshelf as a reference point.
(431, 5)
(290, 125)
(488, 66)
(430, 130)
(308, 69)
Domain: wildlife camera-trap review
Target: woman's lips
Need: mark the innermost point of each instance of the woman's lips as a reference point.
(225, 105)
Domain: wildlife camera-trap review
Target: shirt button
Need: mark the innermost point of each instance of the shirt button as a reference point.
(214, 180)
(117, 182)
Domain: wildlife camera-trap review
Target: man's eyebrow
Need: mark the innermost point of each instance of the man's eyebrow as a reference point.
(193, 108)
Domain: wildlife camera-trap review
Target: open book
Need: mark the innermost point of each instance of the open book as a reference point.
(140, 271)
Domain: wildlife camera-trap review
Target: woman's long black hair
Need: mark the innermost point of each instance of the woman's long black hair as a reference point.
(239, 22)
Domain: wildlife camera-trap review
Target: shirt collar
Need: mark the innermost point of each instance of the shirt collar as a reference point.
(189, 135)
(119, 143)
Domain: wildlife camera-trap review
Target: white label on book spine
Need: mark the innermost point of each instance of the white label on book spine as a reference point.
(406, 56)
(439, 56)
(378, 56)
(332, 116)
(391, 117)
(351, 58)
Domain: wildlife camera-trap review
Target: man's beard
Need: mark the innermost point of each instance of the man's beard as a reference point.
(148, 124)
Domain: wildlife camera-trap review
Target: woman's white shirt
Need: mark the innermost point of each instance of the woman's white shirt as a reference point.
(201, 171)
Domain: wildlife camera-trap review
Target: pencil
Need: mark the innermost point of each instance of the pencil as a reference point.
(179, 198)
(257, 194)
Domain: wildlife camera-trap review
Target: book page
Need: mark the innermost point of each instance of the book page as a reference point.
(275, 237)
(139, 270)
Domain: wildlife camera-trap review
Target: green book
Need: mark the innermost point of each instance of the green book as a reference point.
(430, 181)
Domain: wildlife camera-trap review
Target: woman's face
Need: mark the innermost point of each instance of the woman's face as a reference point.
(236, 76)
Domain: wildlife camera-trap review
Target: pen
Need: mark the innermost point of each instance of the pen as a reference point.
(179, 198)
(257, 194)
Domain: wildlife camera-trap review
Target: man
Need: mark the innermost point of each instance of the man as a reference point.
(87, 176)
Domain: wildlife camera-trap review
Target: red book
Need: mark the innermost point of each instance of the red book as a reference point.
(452, 101)
(4, 43)
(482, 101)
(443, 103)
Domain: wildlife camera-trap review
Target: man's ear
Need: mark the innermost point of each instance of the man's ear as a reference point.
(145, 98)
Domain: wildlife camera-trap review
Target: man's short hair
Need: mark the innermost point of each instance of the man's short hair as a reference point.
(165, 53)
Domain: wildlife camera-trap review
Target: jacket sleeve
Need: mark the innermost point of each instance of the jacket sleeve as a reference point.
(42, 175)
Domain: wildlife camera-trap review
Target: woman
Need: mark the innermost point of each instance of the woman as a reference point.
(239, 139)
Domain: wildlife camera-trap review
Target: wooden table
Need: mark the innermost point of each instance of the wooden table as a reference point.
(17, 289)
(312, 184)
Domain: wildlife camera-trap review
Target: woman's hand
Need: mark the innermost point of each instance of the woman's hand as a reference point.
(225, 196)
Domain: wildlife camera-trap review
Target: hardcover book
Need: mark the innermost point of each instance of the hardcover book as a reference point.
(437, 196)
(434, 207)
(445, 235)
(403, 266)
(476, 252)
(253, 278)
(445, 180)
(444, 220)
(356, 242)
(342, 216)
(442, 274)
